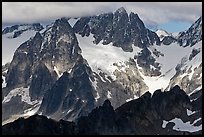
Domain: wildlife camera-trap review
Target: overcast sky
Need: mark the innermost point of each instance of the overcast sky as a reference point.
(172, 16)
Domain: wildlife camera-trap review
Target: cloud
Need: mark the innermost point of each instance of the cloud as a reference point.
(152, 13)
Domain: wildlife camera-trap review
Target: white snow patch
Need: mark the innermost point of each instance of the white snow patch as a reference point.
(200, 76)
(127, 100)
(196, 120)
(97, 96)
(31, 111)
(181, 126)
(94, 83)
(23, 92)
(25, 52)
(152, 67)
(73, 49)
(70, 89)
(189, 112)
(109, 94)
(4, 83)
(70, 71)
(197, 89)
(106, 76)
(57, 71)
(161, 34)
(69, 111)
(83, 101)
(9, 45)
(164, 123)
(72, 21)
(101, 78)
(135, 97)
(5, 71)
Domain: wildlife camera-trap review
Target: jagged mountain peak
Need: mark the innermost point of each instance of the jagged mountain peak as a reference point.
(59, 27)
(162, 33)
(117, 28)
(198, 23)
(192, 35)
(121, 10)
(61, 22)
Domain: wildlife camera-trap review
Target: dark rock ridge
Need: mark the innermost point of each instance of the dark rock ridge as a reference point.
(192, 35)
(39, 125)
(167, 40)
(19, 29)
(121, 29)
(142, 116)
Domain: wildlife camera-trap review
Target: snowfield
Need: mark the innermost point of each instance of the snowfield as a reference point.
(103, 56)
(9, 45)
(181, 126)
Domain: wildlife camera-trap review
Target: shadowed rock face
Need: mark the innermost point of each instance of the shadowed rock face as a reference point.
(71, 96)
(39, 125)
(142, 116)
(41, 81)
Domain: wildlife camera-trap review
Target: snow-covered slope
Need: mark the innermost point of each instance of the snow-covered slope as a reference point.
(183, 126)
(15, 35)
(174, 56)
(9, 44)
(102, 57)
(72, 21)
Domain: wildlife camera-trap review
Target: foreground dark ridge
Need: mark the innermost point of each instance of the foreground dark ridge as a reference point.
(141, 116)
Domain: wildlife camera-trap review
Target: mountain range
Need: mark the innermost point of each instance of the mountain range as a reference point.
(105, 74)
